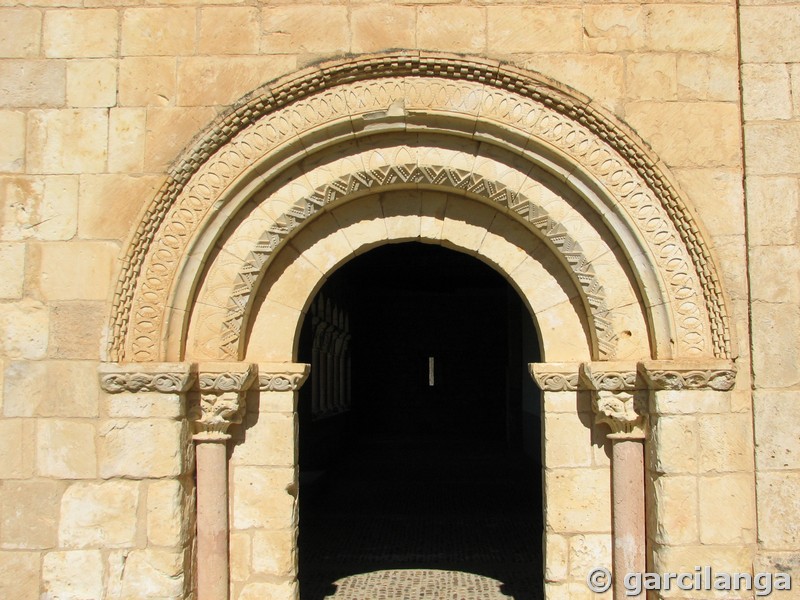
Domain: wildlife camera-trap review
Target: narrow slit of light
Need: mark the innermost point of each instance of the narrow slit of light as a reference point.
(430, 371)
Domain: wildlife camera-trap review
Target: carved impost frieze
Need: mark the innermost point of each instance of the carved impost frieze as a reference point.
(221, 404)
(555, 377)
(282, 377)
(164, 378)
(708, 374)
(609, 376)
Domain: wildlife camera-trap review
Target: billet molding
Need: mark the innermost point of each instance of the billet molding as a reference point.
(689, 375)
(525, 101)
(163, 378)
(222, 399)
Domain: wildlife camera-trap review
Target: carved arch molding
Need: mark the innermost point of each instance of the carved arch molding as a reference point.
(555, 129)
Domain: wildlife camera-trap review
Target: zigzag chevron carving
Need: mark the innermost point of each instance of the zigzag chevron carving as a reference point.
(431, 175)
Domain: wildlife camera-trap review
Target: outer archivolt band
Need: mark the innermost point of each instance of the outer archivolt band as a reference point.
(283, 92)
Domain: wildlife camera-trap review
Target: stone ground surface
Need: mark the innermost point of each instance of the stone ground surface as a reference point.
(408, 519)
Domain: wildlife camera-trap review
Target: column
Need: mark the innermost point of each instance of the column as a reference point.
(221, 404)
(617, 403)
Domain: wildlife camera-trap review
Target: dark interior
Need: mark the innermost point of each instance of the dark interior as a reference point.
(419, 426)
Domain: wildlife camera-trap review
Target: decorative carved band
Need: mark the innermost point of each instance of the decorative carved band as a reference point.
(610, 377)
(282, 377)
(555, 377)
(668, 375)
(696, 272)
(553, 232)
(164, 378)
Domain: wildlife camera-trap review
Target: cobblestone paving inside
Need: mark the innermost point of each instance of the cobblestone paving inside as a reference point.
(405, 519)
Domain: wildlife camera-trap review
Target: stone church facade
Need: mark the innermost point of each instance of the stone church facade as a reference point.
(180, 179)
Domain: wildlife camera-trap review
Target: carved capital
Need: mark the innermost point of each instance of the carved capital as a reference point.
(282, 377)
(555, 377)
(608, 376)
(622, 411)
(164, 378)
(222, 399)
(718, 375)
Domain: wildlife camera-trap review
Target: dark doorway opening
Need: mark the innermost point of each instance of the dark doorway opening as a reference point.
(420, 462)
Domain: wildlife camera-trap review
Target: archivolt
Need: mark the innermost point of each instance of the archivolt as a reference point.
(277, 116)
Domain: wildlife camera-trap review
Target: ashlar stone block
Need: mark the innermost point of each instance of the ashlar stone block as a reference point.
(37, 83)
(24, 329)
(268, 591)
(290, 29)
(99, 515)
(20, 32)
(380, 26)
(727, 509)
(12, 152)
(262, 498)
(165, 522)
(92, 83)
(80, 33)
(12, 270)
(777, 425)
(142, 448)
(273, 552)
(29, 512)
(451, 28)
(76, 270)
(67, 141)
(517, 29)
(40, 208)
(66, 449)
(158, 31)
(16, 448)
(73, 575)
(20, 573)
(778, 510)
(228, 30)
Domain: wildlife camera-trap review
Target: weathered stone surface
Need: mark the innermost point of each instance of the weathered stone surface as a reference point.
(16, 448)
(80, 33)
(725, 443)
(771, 148)
(587, 552)
(652, 76)
(778, 510)
(42, 208)
(727, 509)
(23, 325)
(204, 81)
(165, 521)
(67, 141)
(147, 81)
(169, 130)
(613, 27)
(101, 515)
(707, 77)
(718, 196)
(674, 445)
(72, 575)
(20, 32)
(150, 574)
(777, 426)
(37, 83)
(261, 497)
(766, 92)
(142, 448)
(145, 405)
(77, 330)
(12, 270)
(687, 28)
(92, 83)
(50, 389)
(304, 28)
(675, 510)
(762, 41)
(776, 364)
(273, 552)
(20, 574)
(127, 127)
(381, 26)
(76, 270)
(29, 512)
(229, 30)
(556, 561)
(567, 440)
(268, 591)
(767, 197)
(569, 508)
(530, 28)
(108, 204)
(451, 28)
(12, 152)
(158, 31)
(269, 439)
(600, 77)
(240, 556)
(66, 449)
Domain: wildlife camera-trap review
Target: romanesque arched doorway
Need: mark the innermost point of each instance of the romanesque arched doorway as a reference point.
(561, 200)
(419, 453)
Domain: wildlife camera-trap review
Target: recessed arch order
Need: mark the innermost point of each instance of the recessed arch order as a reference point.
(514, 168)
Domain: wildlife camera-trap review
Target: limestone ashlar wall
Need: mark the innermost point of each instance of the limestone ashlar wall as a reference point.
(771, 106)
(99, 97)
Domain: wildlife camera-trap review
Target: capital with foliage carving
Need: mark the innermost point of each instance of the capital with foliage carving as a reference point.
(614, 398)
(222, 399)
